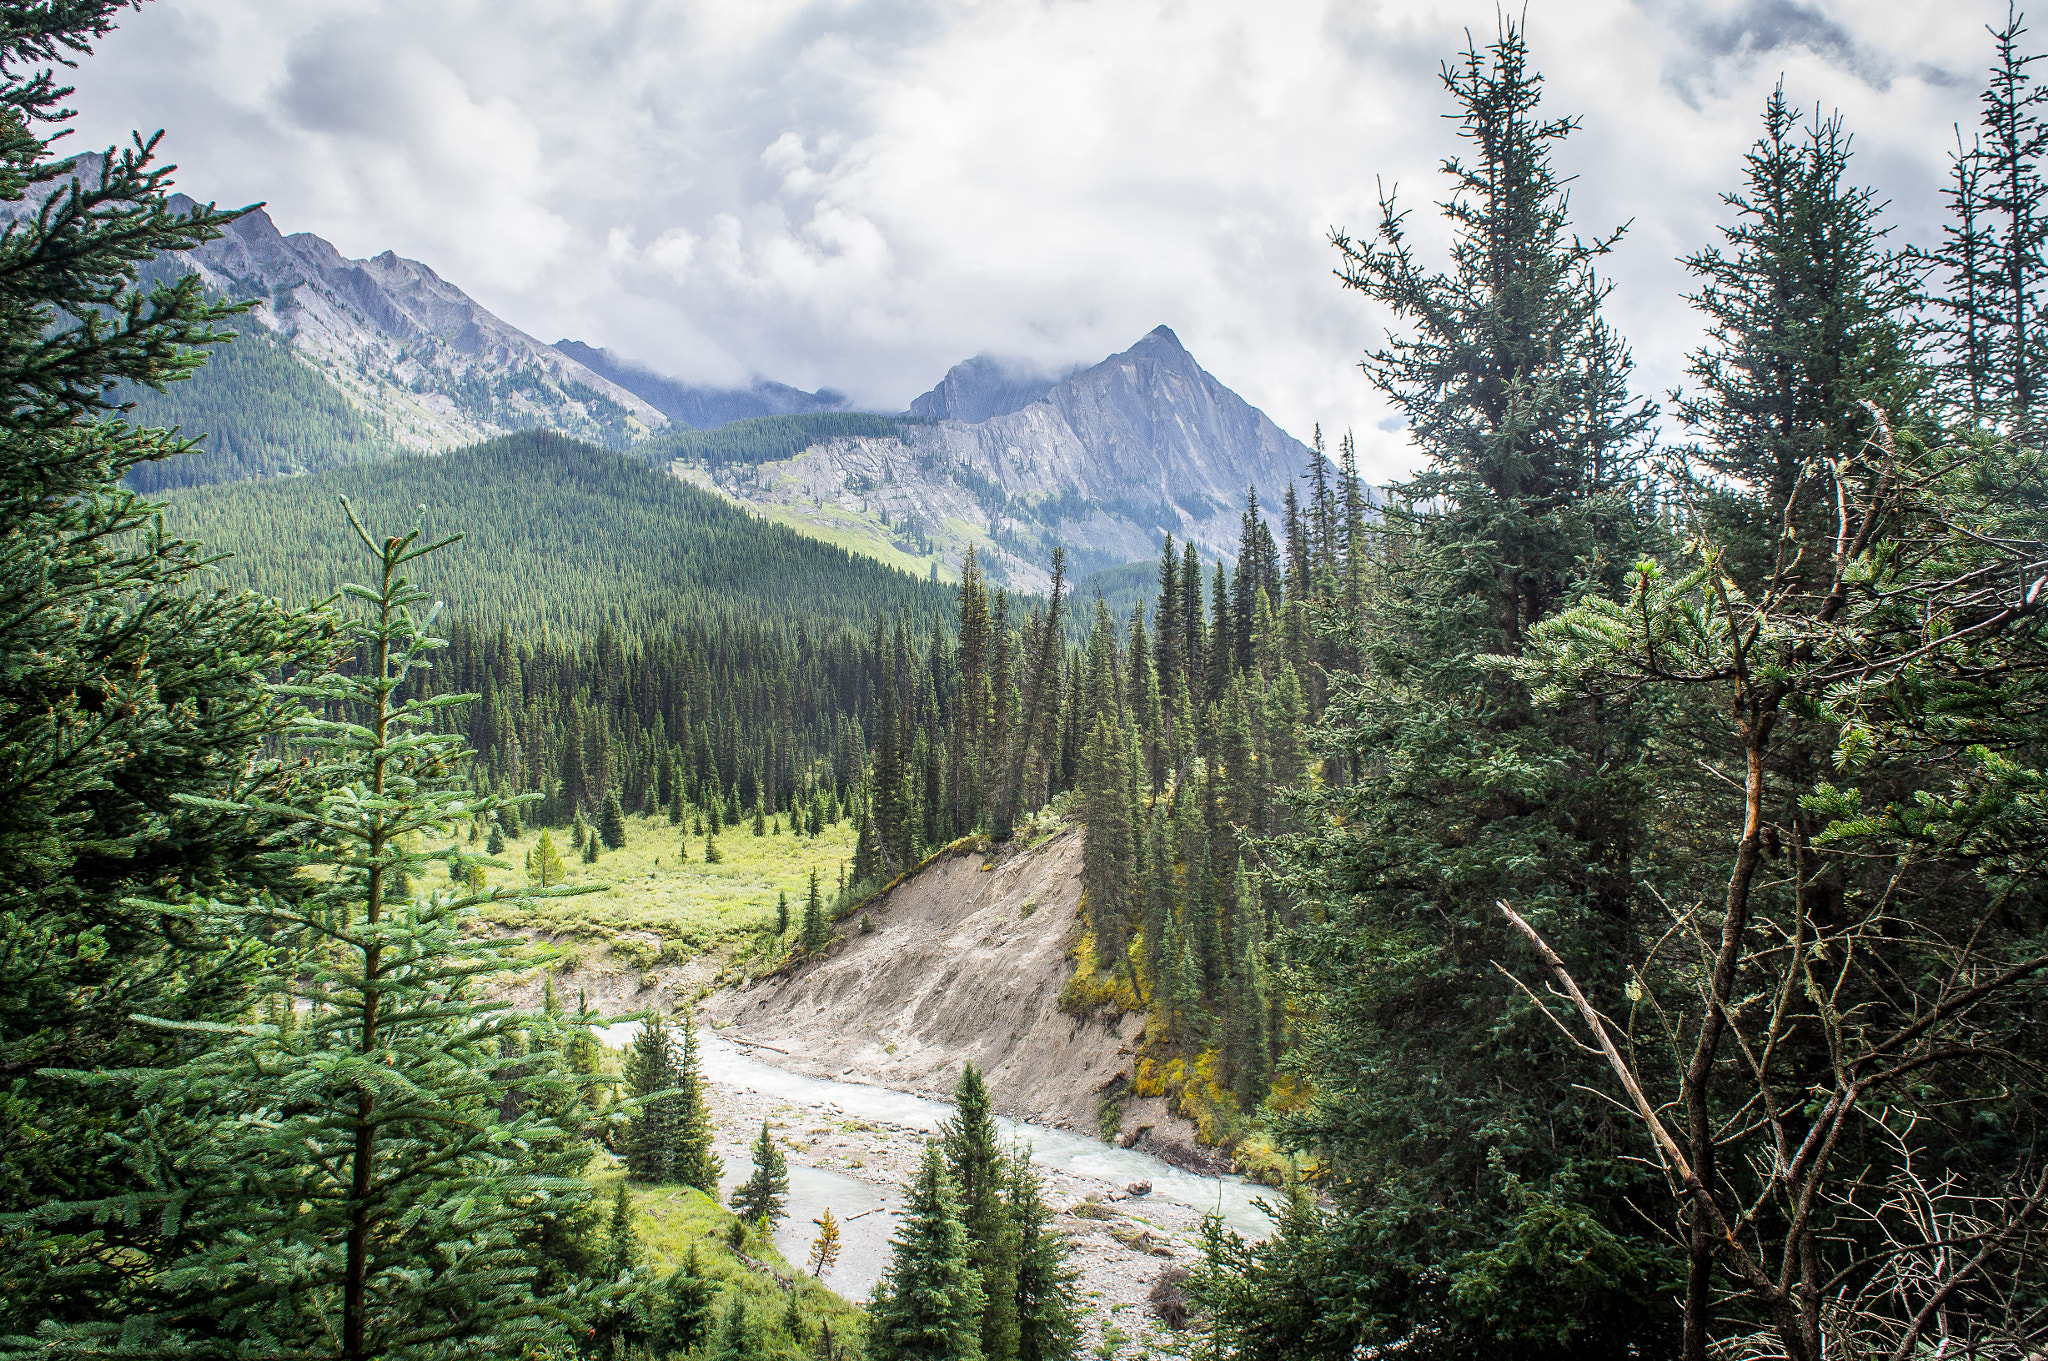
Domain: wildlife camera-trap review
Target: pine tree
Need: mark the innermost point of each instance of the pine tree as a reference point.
(928, 1306)
(675, 807)
(781, 915)
(683, 1319)
(611, 822)
(382, 1156)
(817, 929)
(496, 845)
(1807, 320)
(974, 1159)
(760, 1196)
(622, 1250)
(1111, 849)
(711, 855)
(124, 686)
(1460, 787)
(1048, 1300)
(1994, 268)
(735, 1337)
(651, 1135)
(693, 1163)
(543, 864)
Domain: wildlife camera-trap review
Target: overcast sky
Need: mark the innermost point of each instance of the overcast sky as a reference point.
(859, 193)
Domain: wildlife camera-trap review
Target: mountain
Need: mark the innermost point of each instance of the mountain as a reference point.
(345, 361)
(1105, 461)
(416, 362)
(703, 408)
(985, 387)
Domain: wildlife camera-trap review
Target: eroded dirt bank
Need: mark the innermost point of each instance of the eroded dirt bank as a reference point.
(965, 963)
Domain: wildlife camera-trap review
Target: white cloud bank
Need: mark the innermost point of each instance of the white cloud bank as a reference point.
(858, 194)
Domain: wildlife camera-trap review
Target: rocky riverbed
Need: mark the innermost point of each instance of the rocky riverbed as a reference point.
(1122, 1242)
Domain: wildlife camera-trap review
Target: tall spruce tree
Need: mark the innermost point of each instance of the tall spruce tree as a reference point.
(817, 928)
(374, 1181)
(761, 1195)
(693, 1163)
(122, 690)
(974, 1158)
(1048, 1298)
(1807, 319)
(928, 1305)
(1460, 790)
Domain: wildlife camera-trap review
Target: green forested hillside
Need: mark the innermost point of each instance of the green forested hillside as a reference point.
(765, 439)
(557, 533)
(263, 412)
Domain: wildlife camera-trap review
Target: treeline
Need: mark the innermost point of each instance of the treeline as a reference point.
(767, 439)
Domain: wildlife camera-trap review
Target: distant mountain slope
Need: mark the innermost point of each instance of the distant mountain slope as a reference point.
(421, 363)
(556, 533)
(1106, 461)
(265, 412)
(985, 387)
(703, 408)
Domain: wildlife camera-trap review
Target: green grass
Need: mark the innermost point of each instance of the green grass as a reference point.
(670, 1218)
(692, 908)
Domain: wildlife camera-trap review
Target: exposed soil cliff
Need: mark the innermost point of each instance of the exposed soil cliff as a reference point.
(965, 963)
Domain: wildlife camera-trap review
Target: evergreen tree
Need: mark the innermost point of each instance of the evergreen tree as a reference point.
(1806, 319)
(124, 687)
(684, 1317)
(693, 1163)
(611, 822)
(1462, 790)
(1111, 850)
(817, 930)
(1048, 1300)
(735, 1337)
(544, 867)
(496, 845)
(651, 1133)
(387, 1133)
(760, 1196)
(711, 854)
(622, 1250)
(1992, 260)
(928, 1306)
(974, 1159)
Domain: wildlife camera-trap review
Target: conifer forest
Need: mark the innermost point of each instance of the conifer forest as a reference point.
(1598, 883)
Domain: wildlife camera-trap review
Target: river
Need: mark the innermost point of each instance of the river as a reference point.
(865, 1253)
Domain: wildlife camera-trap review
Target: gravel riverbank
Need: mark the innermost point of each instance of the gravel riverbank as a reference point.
(1122, 1243)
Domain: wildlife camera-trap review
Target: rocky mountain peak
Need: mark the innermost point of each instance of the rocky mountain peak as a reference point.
(984, 387)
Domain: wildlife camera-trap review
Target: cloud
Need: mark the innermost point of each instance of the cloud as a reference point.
(862, 192)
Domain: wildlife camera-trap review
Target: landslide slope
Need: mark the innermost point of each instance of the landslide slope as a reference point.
(965, 963)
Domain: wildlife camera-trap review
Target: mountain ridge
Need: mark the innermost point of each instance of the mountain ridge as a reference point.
(1105, 463)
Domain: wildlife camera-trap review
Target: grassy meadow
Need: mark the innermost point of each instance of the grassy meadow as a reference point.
(662, 906)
